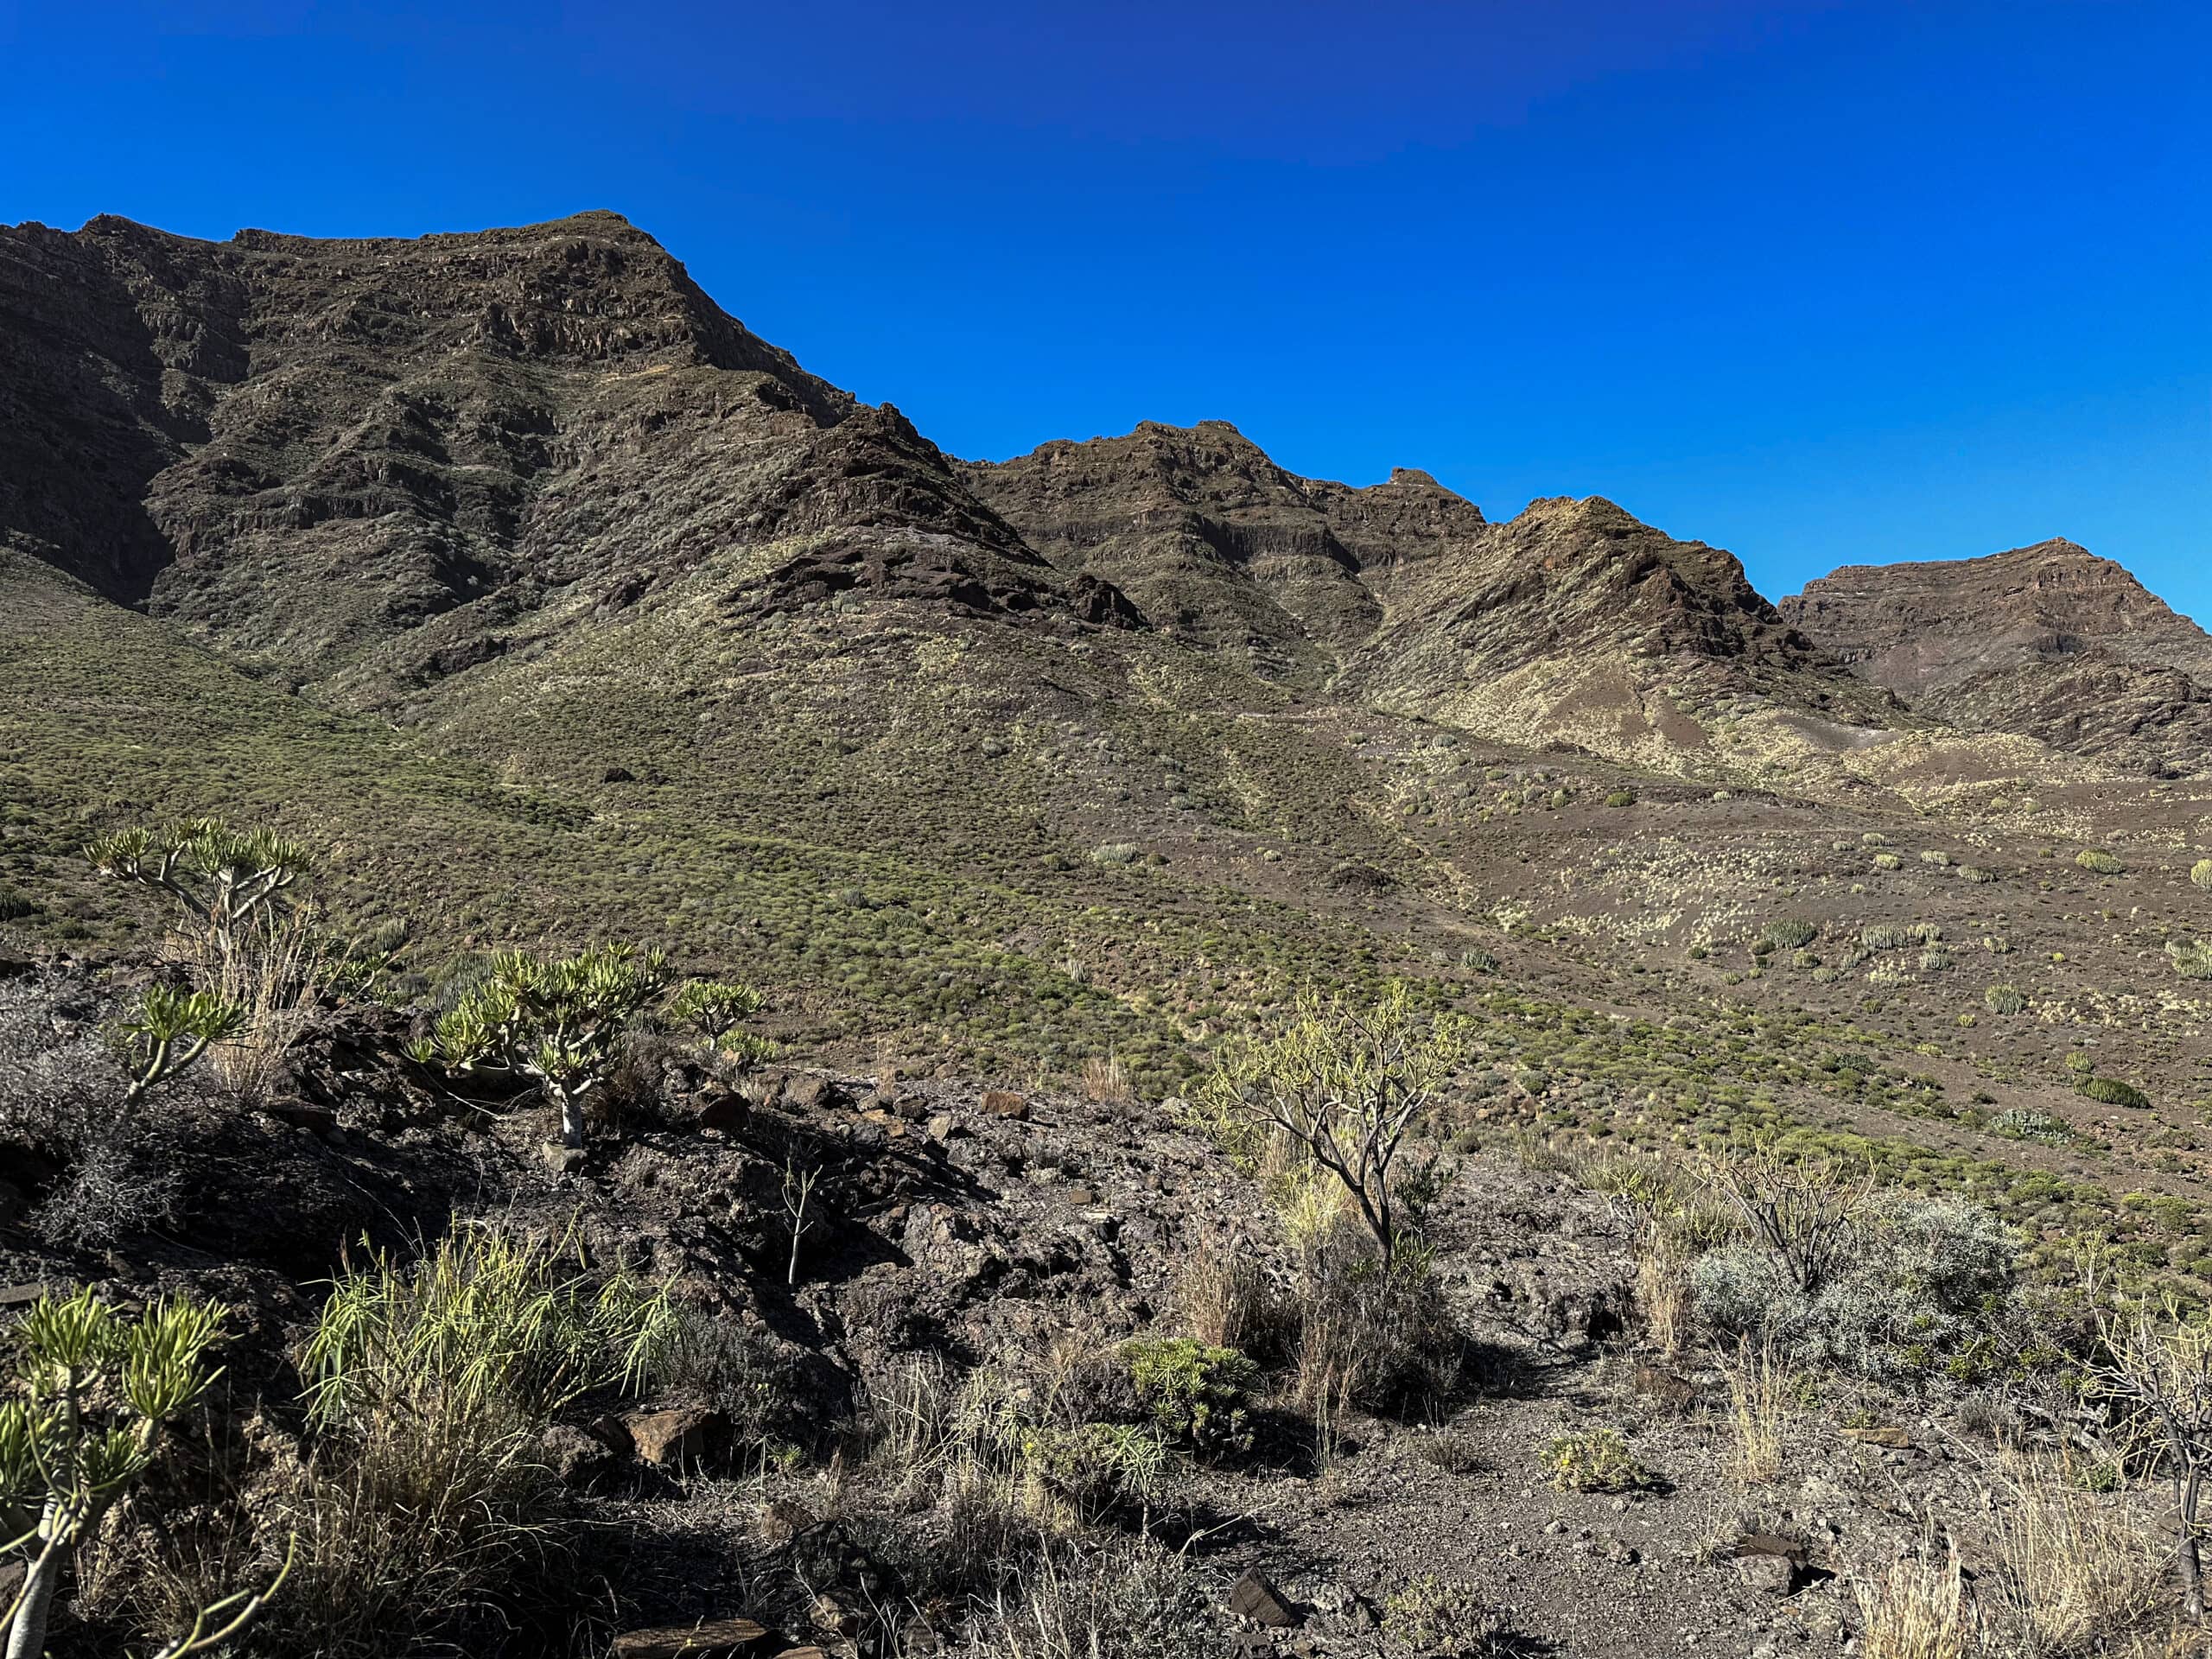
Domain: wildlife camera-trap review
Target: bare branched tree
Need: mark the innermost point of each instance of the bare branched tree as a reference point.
(1804, 1216)
(2158, 1370)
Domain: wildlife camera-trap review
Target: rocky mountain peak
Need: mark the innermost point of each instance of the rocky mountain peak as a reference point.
(2049, 640)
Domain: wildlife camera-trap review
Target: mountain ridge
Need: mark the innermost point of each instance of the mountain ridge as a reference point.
(371, 465)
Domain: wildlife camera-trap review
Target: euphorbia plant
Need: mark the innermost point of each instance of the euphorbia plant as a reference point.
(558, 1024)
(92, 1392)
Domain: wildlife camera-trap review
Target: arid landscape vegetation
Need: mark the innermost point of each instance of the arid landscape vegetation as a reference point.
(640, 1015)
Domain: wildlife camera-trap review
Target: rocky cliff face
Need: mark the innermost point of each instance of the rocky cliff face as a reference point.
(1575, 622)
(1217, 544)
(312, 451)
(2049, 641)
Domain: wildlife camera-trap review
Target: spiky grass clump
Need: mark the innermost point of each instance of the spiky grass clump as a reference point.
(426, 1513)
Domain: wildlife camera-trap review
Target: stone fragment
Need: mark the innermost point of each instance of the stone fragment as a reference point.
(672, 1438)
(1253, 1597)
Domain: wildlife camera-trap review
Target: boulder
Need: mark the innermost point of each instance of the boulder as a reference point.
(1770, 1575)
(577, 1458)
(673, 1438)
(1253, 1597)
(725, 1112)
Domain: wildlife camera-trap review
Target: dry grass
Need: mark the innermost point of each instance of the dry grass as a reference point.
(1128, 1599)
(1105, 1082)
(273, 971)
(1764, 1393)
(1664, 1259)
(1224, 1299)
(1916, 1610)
(2074, 1568)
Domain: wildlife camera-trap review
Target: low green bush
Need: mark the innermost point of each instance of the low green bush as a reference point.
(1197, 1395)
(1627, 798)
(2004, 999)
(2192, 960)
(1595, 1460)
(2097, 862)
(2201, 873)
(2112, 1092)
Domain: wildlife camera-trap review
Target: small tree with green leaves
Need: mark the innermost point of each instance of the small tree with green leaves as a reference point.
(1345, 1085)
(557, 1024)
(92, 1390)
(226, 879)
(714, 1008)
(169, 1030)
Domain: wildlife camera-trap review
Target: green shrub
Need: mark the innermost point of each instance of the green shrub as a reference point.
(14, 907)
(484, 1316)
(2097, 862)
(169, 1030)
(714, 1008)
(1441, 1616)
(1196, 1394)
(557, 1024)
(1115, 852)
(1344, 1084)
(1888, 861)
(1627, 798)
(224, 880)
(1789, 933)
(1096, 1468)
(2111, 1091)
(2201, 873)
(2190, 961)
(1883, 938)
(2004, 999)
(427, 1503)
(1933, 856)
(1595, 1460)
(1976, 873)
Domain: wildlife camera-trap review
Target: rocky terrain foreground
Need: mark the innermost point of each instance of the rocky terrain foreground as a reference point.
(717, 1060)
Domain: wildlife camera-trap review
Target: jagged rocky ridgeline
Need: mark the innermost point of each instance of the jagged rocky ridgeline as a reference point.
(375, 465)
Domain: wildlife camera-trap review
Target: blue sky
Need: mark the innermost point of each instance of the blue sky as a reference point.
(1819, 283)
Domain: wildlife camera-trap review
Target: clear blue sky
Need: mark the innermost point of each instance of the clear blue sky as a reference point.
(1817, 283)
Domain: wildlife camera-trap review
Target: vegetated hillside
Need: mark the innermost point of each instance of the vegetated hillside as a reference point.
(549, 608)
(368, 463)
(2049, 641)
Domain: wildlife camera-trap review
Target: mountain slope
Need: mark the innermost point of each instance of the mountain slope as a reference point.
(367, 462)
(2049, 641)
(1220, 546)
(1572, 623)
